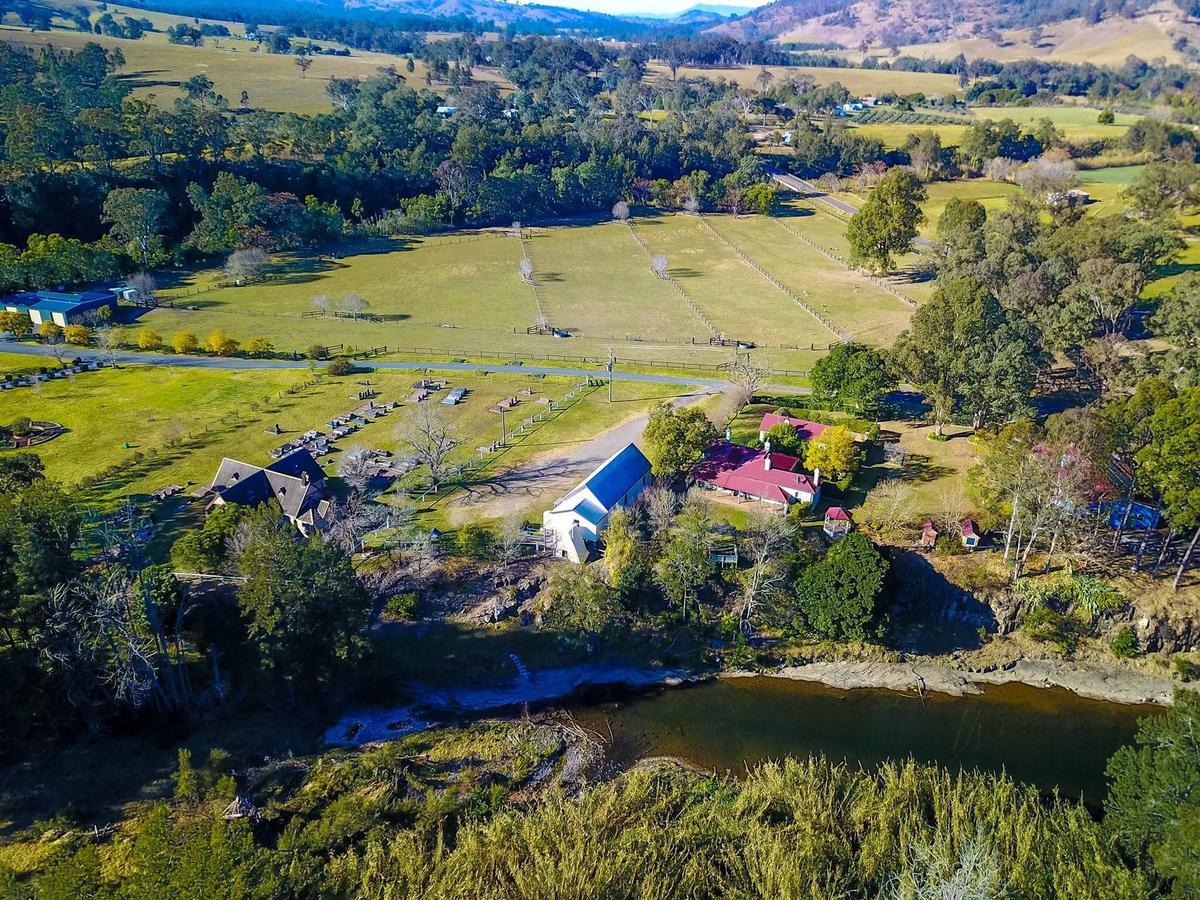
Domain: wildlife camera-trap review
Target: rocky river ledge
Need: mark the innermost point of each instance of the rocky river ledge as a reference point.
(1093, 681)
(436, 705)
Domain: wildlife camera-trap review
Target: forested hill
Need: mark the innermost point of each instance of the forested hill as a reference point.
(900, 22)
(433, 15)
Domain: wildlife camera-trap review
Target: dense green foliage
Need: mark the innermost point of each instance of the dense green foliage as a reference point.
(410, 819)
(836, 597)
(675, 438)
(1154, 803)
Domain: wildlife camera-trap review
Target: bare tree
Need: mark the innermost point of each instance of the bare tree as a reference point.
(889, 505)
(748, 377)
(354, 305)
(515, 230)
(144, 286)
(767, 537)
(354, 518)
(620, 210)
(1047, 174)
(108, 342)
(661, 503)
(526, 269)
(246, 263)
(304, 63)
(691, 205)
(510, 540)
(322, 304)
(658, 264)
(356, 471)
(1001, 169)
(829, 183)
(431, 439)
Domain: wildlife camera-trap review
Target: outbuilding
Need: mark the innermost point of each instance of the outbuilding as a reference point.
(59, 308)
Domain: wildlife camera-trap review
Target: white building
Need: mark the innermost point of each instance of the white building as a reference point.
(582, 515)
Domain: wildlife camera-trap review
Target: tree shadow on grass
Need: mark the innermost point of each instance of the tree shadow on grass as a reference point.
(786, 211)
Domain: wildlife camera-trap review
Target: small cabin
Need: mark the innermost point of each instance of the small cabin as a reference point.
(970, 534)
(837, 523)
(929, 536)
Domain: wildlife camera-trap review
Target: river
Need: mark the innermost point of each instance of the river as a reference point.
(1045, 736)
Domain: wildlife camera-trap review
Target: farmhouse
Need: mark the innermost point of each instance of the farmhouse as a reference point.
(805, 430)
(582, 515)
(756, 474)
(295, 481)
(58, 308)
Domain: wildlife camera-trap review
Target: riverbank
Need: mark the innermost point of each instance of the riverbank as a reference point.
(435, 706)
(1093, 681)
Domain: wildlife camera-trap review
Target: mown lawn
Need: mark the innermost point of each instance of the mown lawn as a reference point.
(178, 423)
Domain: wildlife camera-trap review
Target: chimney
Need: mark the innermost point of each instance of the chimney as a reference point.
(304, 477)
(728, 435)
(817, 477)
(767, 456)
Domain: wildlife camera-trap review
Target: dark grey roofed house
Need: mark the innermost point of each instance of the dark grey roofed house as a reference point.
(295, 481)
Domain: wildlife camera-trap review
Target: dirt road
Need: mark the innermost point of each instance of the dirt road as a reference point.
(536, 484)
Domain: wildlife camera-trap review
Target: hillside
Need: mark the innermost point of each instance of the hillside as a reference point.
(1063, 29)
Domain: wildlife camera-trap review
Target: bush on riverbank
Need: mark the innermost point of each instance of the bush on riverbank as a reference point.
(432, 815)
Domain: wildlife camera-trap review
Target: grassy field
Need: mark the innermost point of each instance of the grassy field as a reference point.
(1108, 42)
(1075, 122)
(156, 67)
(857, 81)
(174, 425)
(465, 294)
(851, 302)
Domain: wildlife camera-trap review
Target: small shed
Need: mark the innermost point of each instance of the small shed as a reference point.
(837, 522)
(929, 536)
(970, 534)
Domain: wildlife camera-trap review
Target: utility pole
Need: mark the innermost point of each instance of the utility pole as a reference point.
(612, 359)
(503, 429)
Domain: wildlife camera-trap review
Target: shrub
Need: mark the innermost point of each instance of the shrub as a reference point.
(1044, 624)
(1186, 669)
(77, 334)
(185, 342)
(402, 606)
(341, 366)
(1125, 644)
(316, 351)
(475, 541)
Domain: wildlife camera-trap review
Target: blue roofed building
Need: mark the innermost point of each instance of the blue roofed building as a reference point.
(579, 518)
(57, 307)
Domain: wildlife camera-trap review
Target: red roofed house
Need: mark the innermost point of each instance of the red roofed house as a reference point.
(837, 522)
(756, 474)
(806, 431)
(970, 534)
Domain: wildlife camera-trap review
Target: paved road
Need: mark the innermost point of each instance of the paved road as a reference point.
(214, 362)
(800, 186)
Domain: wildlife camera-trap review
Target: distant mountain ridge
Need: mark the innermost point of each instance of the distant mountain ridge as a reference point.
(903, 22)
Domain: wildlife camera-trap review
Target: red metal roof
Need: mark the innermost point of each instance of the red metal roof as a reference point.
(804, 429)
(733, 467)
(969, 528)
(837, 514)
